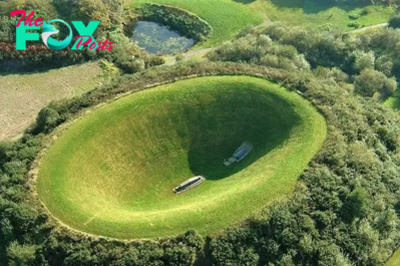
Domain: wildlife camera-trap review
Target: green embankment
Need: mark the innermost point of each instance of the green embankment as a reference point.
(112, 172)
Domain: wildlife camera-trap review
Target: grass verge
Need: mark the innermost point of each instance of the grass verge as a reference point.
(395, 259)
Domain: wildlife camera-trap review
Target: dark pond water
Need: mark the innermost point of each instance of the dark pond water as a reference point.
(159, 39)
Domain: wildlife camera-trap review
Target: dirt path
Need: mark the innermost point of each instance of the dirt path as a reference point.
(171, 60)
(380, 25)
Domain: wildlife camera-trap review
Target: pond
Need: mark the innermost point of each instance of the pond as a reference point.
(159, 39)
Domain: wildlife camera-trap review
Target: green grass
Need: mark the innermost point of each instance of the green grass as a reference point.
(310, 14)
(392, 102)
(112, 172)
(395, 259)
(226, 17)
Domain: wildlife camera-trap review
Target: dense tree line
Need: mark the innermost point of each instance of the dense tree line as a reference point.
(261, 50)
(368, 61)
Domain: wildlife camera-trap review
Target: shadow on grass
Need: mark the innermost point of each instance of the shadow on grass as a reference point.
(262, 118)
(313, 6)
(19, 67)
(244, 1)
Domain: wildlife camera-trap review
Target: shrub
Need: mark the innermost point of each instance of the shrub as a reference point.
(354, 16)
(354, 24)
(363, 60)
(371, 81)
(154, 60)
(263, 51)
(179, 57)
(47, 120)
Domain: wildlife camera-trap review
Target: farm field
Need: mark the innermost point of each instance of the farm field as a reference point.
(112, 172)
(23, 95)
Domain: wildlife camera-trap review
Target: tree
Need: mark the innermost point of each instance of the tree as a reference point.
(371, 81)
(331, 255)
(356, 205)
(384, 64)
(363, 60)
(89, 10)
(47, 119)
(6, 229)
(263, 51)
(394, 22)
(42, 8)
(21, 255)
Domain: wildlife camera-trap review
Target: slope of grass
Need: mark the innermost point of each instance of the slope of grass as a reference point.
(311, 14)
(226, 17)
(395, 259)
(23, 95)
(112, 172)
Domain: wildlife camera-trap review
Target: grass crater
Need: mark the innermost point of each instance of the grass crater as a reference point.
(112, 172)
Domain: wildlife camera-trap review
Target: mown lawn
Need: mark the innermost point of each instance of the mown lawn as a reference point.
(112, 172)
(226, 17)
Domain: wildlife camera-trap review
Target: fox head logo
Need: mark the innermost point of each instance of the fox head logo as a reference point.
(49, 30)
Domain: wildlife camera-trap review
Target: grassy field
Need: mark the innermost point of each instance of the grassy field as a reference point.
(112, 172)
(226, 17)
(308, 13)
(23, 95)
